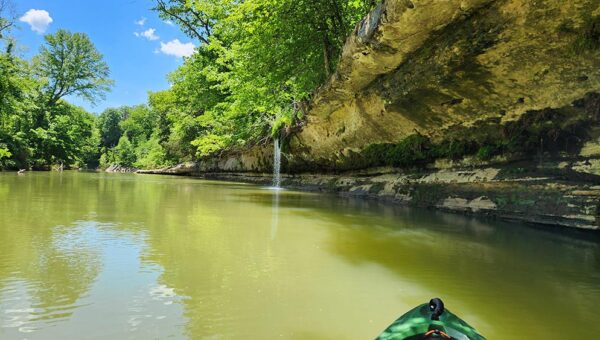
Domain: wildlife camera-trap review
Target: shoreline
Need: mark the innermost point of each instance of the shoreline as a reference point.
(545, 197)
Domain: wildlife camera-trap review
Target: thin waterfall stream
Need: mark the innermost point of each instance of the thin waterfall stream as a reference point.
(277, 163)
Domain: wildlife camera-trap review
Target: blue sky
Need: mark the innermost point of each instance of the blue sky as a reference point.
(138, 46)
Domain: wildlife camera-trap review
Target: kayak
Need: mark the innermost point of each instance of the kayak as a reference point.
(430, 321)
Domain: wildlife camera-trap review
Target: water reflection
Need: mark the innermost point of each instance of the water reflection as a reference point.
(275, 213)
(497, 271)
(43, 271)
(125, 256)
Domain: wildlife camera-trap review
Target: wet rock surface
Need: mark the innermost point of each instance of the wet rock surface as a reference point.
(120, 168)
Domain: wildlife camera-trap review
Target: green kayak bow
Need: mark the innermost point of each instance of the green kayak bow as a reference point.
(430, 321)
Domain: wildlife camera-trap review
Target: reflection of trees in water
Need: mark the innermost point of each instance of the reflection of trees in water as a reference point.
(217, 250)
(43, 252)
(192, 241)
(274, 213)
(45, 246)
(490, 272)
(468, 260)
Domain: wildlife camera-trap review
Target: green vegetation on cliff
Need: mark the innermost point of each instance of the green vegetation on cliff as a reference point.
(257, 65)
(254, 72)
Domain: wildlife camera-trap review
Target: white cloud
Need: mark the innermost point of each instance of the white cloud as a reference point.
(38, 20)
(140, 22)
(149, 34)
(177, 48)
(169, 22)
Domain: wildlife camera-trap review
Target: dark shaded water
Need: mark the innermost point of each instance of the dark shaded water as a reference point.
(130, 256)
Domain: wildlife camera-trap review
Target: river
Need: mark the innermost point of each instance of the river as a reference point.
(123, 256)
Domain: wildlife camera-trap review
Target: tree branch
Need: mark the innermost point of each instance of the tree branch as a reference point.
(162, 7)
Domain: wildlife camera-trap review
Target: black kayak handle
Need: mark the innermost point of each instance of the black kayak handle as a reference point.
(436, 307)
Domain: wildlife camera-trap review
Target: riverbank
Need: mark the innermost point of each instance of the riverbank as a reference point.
(552, 193)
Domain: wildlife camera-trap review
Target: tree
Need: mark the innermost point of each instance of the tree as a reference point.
(6, 16)
(258, 65)
(151, 154)
(37, 128)
(139, 123)
(69, 139)
(124, 152)
(17, 107)
(196, 21)
(130, 136)
(109, 126)
(72, 66)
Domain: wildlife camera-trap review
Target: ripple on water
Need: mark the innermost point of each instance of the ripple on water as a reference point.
(17, 301)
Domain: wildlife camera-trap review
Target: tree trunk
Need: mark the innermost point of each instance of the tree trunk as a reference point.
(326, 55)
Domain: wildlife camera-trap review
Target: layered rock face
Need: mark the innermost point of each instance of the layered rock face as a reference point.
(474, 106)
(429, 66)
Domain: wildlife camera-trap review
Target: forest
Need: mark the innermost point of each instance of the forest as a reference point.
(252, 76)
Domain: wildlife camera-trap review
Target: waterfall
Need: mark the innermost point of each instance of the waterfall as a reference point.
(277, 164)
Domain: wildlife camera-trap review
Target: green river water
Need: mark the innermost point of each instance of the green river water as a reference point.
(111, 256)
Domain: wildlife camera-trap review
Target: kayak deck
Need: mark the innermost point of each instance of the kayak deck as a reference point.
(427, 321)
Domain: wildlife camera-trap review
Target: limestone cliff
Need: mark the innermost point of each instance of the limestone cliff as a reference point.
(429, 66)
(476, 106)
